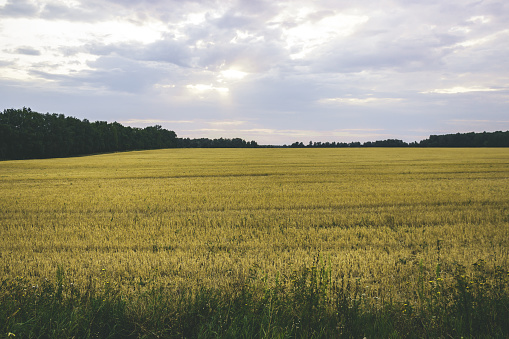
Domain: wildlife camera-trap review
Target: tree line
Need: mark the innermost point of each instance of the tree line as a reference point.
(216, 143)
(472, 139)
(378, 143)
(25, 134)
(484, 139)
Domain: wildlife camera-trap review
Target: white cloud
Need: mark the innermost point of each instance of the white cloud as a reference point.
(206, 88)
(479, 19)
(480, 41)
(155, 121)
(233, 74)
(227, 123)
(307, 35)
(461, 89)
(361, 101)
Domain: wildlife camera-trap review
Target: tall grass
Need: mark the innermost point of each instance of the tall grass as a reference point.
(313, 302)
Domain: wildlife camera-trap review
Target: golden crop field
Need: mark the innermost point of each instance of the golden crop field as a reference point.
(200, 217)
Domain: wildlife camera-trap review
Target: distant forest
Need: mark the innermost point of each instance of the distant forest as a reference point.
(25, 134)
(484, 139)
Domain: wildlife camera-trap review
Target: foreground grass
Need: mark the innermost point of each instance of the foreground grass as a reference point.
(308, 304)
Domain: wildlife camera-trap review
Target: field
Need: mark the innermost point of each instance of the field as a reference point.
(396, 223)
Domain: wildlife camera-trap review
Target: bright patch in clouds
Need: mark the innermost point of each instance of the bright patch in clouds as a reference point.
(200, 88)
(118, 31)
(308, 35)
(232, 74)
(459, 89)
(479, 19)
(360, 101)
(501, 35)
(242, 36)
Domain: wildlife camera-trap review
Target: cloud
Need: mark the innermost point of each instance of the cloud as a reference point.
(19, 8)
(227, 123)
(155, 121)
(361, 101)
(112, 73)
(73, 11)
(4, 63)
(461, 89)
(200, 88)
(27, 51)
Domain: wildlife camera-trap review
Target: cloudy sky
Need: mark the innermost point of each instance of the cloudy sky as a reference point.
(271, 71)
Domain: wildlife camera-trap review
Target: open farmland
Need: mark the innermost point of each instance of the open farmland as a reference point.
(189, 218)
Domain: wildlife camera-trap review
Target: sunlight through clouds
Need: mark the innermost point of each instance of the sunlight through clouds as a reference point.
(200, 88)
(232, 74)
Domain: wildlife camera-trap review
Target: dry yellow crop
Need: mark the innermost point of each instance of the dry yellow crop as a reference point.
(199, 217)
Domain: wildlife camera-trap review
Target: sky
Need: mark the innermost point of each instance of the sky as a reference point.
(271, 71)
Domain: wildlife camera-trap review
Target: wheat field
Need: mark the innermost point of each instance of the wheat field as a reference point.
(202, 217)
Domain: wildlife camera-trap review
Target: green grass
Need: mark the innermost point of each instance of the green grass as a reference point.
(313, 302)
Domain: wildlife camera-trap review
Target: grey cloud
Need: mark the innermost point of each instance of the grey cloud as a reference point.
(120, 74)
(27, 51)
(4, 63)
(111, 72)
(19, 8)
(377, 54)
(167, 50)
(85, 12)
(273, 93)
